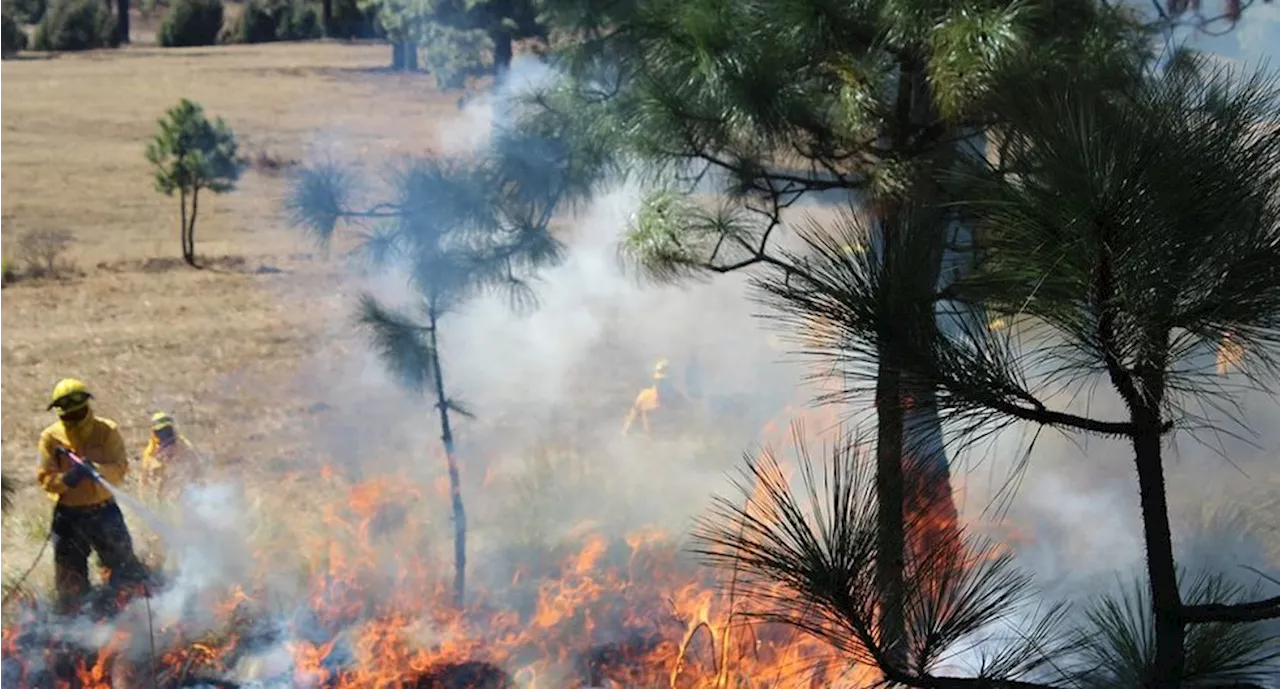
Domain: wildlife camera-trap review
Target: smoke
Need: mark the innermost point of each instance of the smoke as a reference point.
(554, 385)
(1074, 518)
(560, 379)
(545, 460)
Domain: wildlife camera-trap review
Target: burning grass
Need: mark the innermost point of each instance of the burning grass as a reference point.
(368, 606)
(330, 578)
(335, 578)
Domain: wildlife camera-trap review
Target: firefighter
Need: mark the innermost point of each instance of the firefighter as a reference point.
(165, 455)
(86, 517)
(662, 394)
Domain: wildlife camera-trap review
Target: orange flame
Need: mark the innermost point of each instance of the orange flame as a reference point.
(629, 610)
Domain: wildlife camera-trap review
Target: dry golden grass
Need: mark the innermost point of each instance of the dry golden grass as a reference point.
(76, 125)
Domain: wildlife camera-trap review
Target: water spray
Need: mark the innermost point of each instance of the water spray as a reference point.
(152, 519)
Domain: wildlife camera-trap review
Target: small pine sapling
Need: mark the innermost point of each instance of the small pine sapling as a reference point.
(190, 153)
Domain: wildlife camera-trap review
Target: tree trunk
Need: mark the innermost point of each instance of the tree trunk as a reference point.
(910, 460)
(189, 251)
(122, 21)
(410, 56)
(404, 56)
(890, 499)
(326, 17)
(182, 221)
(455, 482)
(503, 51)
(1162, 575)
(929, 501)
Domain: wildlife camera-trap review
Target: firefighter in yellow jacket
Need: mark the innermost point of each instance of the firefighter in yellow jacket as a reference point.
(86, 517)
(662, 394)
(166, 456)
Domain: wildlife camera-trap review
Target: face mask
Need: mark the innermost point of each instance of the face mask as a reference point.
(75, 418)
(166, 436)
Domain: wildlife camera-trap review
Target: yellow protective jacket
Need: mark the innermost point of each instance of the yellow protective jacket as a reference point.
(95, 439)
(651, 399)
(158, 460)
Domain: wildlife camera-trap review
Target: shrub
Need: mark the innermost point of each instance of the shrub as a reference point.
(8, 271)
(147, 8)
(190, 23)
(42, 251)
(26, 11)
(350, 21)
(263, 21)
(12, 37)
(456, 55)
(76, 25)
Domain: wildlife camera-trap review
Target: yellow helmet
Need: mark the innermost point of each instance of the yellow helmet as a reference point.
(161, 420)
(660, 369)
(69, 395)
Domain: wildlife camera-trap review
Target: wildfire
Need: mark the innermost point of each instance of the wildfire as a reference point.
(375, 611)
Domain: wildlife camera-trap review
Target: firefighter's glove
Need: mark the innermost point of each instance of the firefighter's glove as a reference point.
(76, 474)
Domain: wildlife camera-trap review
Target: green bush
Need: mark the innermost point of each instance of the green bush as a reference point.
(12, 36)
(456, 55)
(191, 22)
(349, 21)
(76, 25)
(26, 11)
(263, 21)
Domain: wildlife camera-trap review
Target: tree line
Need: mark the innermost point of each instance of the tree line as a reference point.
(459, 39)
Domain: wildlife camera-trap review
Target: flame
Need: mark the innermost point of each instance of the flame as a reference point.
(375, 606)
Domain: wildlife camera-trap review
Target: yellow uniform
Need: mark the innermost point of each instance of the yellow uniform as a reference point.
(86, 518)
(662, 394)
(165, 455)
(160, 461)
(95, 439)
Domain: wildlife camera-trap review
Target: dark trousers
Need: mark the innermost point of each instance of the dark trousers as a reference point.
(97, 528)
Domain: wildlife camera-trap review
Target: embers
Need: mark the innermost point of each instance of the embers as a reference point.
(622, 662)
(466, 675)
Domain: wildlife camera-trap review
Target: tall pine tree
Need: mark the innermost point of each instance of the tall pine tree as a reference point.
(753, 108)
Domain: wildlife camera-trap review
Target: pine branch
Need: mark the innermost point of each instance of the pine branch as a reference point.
(805, 550)
(403, 344)
(1255, 611)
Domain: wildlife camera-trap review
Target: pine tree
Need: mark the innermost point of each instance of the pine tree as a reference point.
(191, 154)
(1127, 231)
(764, 106)
(460, 228)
